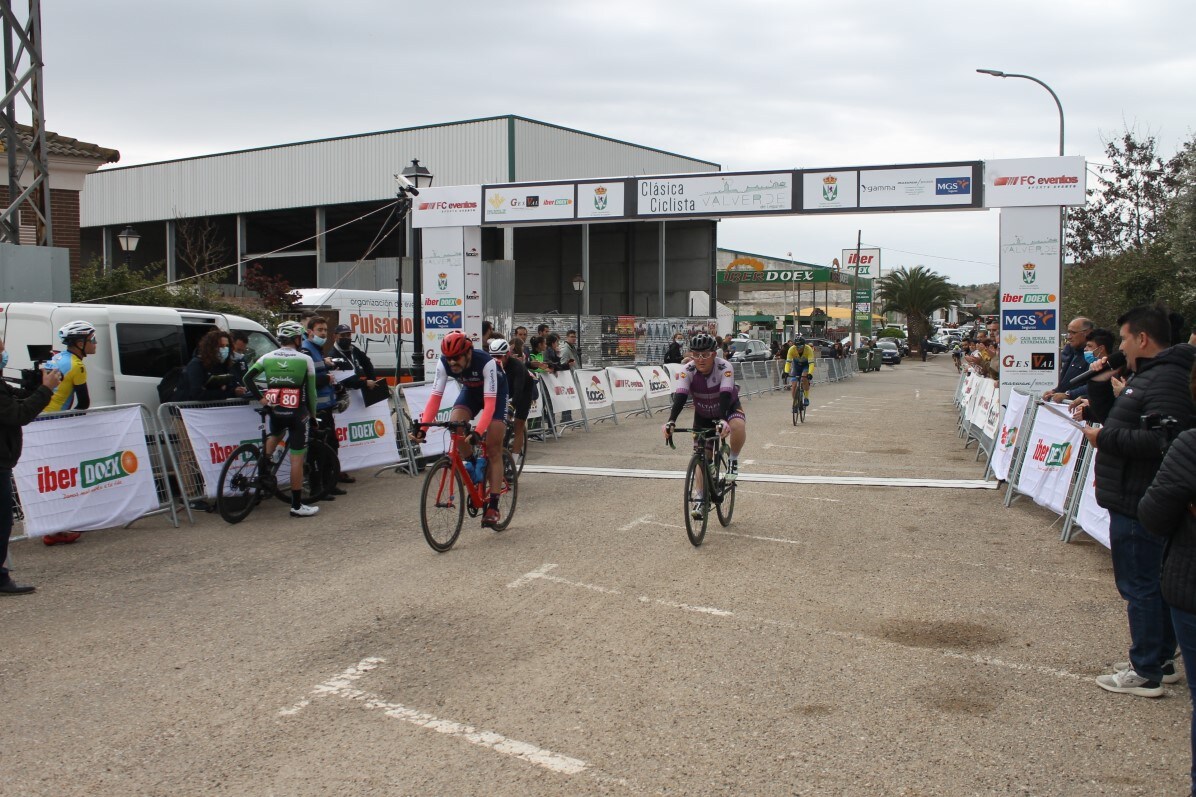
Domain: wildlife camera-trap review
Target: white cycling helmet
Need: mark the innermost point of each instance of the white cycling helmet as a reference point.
(499, 347)
(289, 330)
(76, 329)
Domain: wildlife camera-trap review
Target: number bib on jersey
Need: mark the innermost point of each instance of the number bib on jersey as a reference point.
(287, 399)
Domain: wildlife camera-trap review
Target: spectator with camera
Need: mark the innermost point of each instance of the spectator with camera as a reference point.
(16, 411)
(313, 346)
(1129, 450)
(1168, 510)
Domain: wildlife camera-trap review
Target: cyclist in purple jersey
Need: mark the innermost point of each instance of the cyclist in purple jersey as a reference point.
(710, 381)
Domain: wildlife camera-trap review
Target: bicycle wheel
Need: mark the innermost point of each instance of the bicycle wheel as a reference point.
(797, 402)
(240, 485)
(508, 445)
(724, 500)
(695, 527)
(509, 495)
(442, 505)
(801, 404)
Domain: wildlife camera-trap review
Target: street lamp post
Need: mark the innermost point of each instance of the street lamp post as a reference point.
(1054, 96)
(579, 286)
(128, 238)
(419, 177)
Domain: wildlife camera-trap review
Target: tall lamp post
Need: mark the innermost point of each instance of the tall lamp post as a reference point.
(128, 238)
(418, 176)
(1054, 96)
(579, 286)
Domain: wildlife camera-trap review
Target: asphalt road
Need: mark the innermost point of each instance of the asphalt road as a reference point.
(835, 640)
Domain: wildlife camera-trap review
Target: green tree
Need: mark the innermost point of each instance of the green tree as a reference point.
(918, 293)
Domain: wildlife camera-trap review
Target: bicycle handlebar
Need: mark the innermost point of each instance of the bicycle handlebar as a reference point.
(450, 425)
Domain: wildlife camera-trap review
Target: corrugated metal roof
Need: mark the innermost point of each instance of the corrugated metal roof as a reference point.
(361, 168)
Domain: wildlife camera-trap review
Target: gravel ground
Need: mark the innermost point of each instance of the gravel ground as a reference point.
(833, 640)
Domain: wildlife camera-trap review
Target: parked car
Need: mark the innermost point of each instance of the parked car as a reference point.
(822, 347)
(937, 345)
(889, 353)
(747, 350)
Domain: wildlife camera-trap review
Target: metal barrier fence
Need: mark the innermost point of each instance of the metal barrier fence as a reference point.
(162, 485)
(183, 463)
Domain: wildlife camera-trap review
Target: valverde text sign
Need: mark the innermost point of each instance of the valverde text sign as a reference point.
(730, 194)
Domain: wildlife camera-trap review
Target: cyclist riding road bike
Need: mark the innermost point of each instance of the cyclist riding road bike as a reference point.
(799, 365)
(710, 381)
(290, 379)
(483, 394)
(522, 389)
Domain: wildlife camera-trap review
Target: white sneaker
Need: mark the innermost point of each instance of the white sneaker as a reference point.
(1171, 675)
(1130, 683)
(732, 471)
(304, 511)
(699, 510)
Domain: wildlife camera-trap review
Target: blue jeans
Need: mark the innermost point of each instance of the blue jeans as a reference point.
(1185, 631)
(1137, 569)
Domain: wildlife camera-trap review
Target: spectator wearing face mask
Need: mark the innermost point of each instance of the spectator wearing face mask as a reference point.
(363, 369)
(673, 354)
(208, 375)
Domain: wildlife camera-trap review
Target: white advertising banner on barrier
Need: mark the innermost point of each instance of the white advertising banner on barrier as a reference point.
(726, 194)
(1051, 458)
(215, 432)
(1092, 517)
(986, 396)
(674, 370)
(85, 472)
(595, 389)
(657, 379)
(416, 398)
(989, 429)
(537, 408)
(1015, 415)
(447, 206)
(1030, 277)
(626, 384)
(561, 392)
(601, 200)
(366, 435)
(1026, 182)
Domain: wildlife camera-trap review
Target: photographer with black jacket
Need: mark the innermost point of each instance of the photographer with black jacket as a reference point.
(1129, 451)
(1169, 510)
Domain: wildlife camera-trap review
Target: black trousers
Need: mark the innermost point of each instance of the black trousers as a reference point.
(6, 507)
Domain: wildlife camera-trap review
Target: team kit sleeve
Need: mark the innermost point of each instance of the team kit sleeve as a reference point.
(439, 381)
(250, 381)
(680, 394)
(489, 395)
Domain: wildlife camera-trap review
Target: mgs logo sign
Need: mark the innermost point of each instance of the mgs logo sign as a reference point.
(953, 186)
(1028, 320)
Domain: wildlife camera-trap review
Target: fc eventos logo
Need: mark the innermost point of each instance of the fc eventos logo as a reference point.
(1028, 319)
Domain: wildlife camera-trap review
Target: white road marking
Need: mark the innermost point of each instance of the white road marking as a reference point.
(785, 495)
(811, 448)
(539, 571)
(646, 520)
(774, 478)
(341, 686)
(987, 661)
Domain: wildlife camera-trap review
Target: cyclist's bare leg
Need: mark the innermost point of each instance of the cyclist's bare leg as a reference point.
(520, 436)
(494, 438)
(738, 435)
(458, 415)
(805, 386)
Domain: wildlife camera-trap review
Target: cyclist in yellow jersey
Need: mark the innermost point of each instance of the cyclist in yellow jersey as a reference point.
(799, 365)
(79, 338)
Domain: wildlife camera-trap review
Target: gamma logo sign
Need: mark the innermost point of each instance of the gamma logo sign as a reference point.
(1054, 455)
(1028, 319)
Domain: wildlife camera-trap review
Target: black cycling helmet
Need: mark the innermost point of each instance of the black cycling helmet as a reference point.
(703, 342)
(801, 341)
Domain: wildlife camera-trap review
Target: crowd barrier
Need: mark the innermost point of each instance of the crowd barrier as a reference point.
(1037, 450)
(187, 443)
(85, 470)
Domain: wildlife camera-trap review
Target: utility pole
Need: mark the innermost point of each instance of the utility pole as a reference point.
(855, 287)
(28, 156)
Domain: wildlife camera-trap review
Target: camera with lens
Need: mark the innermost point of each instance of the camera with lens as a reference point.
(1167, 423)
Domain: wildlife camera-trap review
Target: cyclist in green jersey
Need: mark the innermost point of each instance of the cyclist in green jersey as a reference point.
(290, 379)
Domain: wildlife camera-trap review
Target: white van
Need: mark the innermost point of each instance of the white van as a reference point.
(135, 346)
(372, 315)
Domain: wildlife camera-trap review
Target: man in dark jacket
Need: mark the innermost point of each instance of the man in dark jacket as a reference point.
(1129, 449)
(16, 412)
(1071, 361)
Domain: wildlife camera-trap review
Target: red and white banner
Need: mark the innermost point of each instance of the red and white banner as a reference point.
(85, 472)
(1052, 454)
(595, 388)
(215, 432)
(416, 398)
(627, 384)
(657, 380)
(366, 435)
(562, 393)
(1003, 446)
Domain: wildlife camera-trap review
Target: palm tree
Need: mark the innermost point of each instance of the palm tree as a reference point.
(916, 292)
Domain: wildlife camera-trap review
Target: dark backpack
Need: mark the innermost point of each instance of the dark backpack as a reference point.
(173, 386)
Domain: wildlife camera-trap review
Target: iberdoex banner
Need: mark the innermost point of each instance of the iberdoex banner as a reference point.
(1015, 415)
(85, 472)
(1051, 458)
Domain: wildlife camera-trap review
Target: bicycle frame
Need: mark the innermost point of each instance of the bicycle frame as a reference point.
(476, 490)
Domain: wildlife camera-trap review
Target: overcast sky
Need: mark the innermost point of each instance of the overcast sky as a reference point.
(748, 84)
